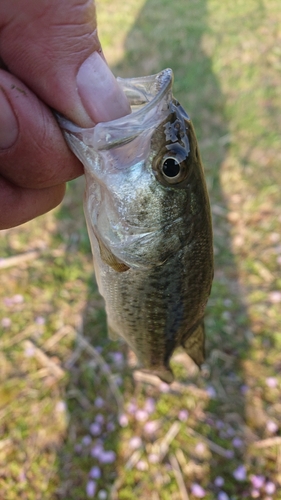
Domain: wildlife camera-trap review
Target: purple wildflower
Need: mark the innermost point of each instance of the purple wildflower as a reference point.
(40, 320)
(78, 448)
(6, 322)
(237, 442)
(153, 458)
(200, 448)
(223, 496)
(132, 408)
(29, 351)
(240, 473)
(271, 426)
(271, 382)
(257, 481)
(22, 477)
(149, 405)
(95, 472)
(110, 427)
(91, 489)
(123, 420)
(219, 424)
(244, 389)
(97, 450)
(141, 415)
(142, 465)
(270, 488)
(86, 440)
(151, 426)
(164, 387)
(99, 418)
(95, 429)
(18, 299)
(135, 442)
(99, 402)
(183, 415)
(102, 495)
(219, 481)
(107, 457)
(211, 391)
(255, 493)
(229, 454)
(197, 490)
(117, 358)
(8, 301)
(230, 431)
(275, 297)
(61, 406)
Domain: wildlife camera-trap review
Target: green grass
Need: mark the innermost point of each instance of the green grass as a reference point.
(226, 61)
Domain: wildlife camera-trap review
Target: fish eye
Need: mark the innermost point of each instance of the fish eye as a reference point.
(171, 168)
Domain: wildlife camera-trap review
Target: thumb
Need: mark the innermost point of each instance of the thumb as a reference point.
(53, 47)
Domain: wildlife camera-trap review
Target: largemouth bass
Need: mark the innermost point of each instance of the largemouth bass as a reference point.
(148, 217)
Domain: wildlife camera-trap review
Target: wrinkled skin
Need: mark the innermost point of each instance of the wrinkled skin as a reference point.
(148, 216)
(50, 58)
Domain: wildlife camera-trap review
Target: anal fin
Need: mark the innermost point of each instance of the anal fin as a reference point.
(112, 333)
(194, 345)
(164, 373)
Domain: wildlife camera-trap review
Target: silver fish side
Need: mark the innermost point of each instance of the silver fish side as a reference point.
(148, 216)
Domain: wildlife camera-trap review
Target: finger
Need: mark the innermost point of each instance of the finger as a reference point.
(33, 152)
(46, 43)
(19, 205)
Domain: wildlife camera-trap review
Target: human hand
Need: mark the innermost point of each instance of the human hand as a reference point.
(52, 59)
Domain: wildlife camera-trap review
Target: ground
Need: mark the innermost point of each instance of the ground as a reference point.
(76, 421)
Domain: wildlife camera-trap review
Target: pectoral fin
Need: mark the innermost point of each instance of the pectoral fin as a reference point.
(110, 259)
(194, 345)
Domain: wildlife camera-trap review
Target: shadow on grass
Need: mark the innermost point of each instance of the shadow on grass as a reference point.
(169, 34)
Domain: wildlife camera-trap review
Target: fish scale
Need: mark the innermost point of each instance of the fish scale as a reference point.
(148, 217)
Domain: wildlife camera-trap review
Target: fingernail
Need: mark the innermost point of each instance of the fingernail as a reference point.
(8, 123)
(101, 96)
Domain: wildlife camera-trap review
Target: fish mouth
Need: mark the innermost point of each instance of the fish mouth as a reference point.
(149, 99)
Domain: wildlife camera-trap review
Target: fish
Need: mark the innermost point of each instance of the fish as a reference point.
(148, 216)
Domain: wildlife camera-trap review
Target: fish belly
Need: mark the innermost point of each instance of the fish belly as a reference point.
(157, 310)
